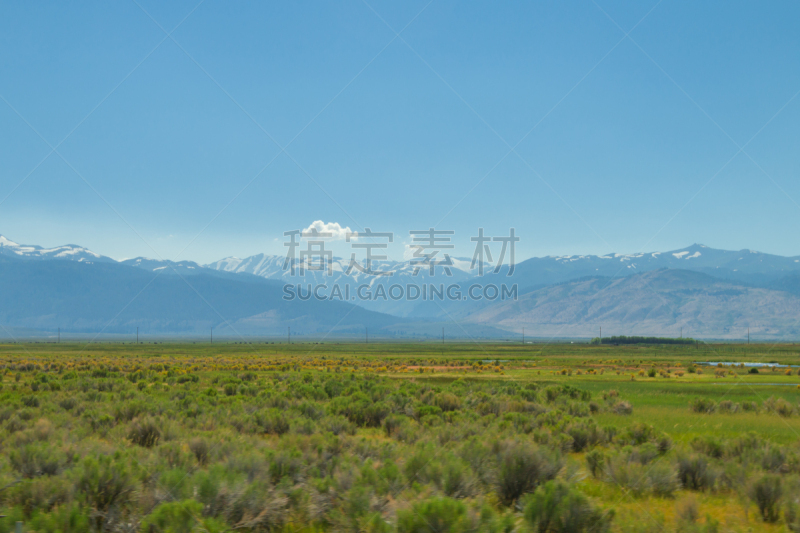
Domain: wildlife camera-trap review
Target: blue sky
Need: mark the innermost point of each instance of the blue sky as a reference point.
(172, 146)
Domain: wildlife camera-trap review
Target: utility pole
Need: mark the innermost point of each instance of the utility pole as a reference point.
(601, 335)
(289, 338)
(681, 332)
(366, 338)
(137, 334)
(59, 335)
(523, 336)
(212, 334)
(442, 335)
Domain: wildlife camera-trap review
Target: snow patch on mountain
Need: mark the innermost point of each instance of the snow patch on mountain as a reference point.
(7, 242)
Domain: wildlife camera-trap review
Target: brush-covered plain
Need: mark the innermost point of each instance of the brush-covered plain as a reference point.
(387, 437)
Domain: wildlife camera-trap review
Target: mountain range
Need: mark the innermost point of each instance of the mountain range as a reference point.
(707, 292)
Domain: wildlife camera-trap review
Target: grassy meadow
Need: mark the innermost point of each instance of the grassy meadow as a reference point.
(405, 437)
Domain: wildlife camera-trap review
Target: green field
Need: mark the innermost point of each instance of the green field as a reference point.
(400, 437)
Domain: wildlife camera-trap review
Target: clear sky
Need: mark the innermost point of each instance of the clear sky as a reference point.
(255, 118)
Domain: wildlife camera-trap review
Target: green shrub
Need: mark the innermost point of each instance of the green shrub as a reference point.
(39, 495)
(622, 408)
(557, 508)
(392, 422)
(659, 478)
(584, 435)
(455, 479)
(424, 410)
(180, 517)
(34, 460)
(703, 405)
(286, 465)
(438, 515)
(744, 444)
(792, 516)
(104, 483)
(643, 454)
(359, 409)
(338, 425)
(304, 426)
(695, 473)
(638, 433)
(67, 404)
(447, 402)
(174, 483)
(311, 410)
(709, 445)
(30, 401)
(522, 467)
(766, 493)
(664, 444)
(774, 459)
(596, 462)
(417, 466)
(663, 479)
(65, 518)
(750, 407)
(201, 450)
(779, 406)
(479, 459)
(727, 406)
(551, 393)
(144, 432)
(687, 513)
(272, 421)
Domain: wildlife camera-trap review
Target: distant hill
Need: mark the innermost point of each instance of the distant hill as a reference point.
(790, 284)
(88, 297)
(656, 303)
(745, 266)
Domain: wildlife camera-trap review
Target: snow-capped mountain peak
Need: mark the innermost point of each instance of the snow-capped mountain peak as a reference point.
(7, 242)
(69, 252)
(272, 267)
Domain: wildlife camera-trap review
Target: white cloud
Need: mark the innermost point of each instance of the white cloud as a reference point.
(409, 250)
(336, 231)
